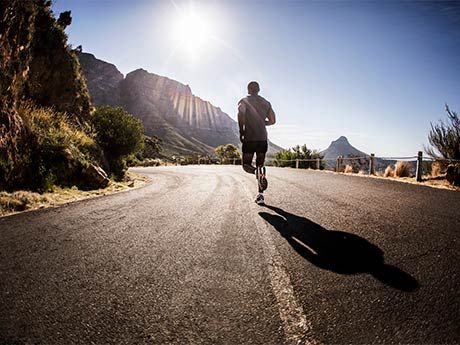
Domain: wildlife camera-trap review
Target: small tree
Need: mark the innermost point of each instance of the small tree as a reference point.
(119, 134)
(444, 138)
(227, 152)
(65, 19)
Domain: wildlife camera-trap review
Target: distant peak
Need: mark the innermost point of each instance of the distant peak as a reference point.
(342, 139)
(139, 71)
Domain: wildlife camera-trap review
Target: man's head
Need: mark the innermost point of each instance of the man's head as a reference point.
(253, 88)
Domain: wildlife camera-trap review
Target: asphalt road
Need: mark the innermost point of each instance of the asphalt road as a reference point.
(191, 259)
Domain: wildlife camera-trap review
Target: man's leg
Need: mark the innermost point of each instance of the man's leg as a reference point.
(262, 180)
(260, 159)
(247, 163)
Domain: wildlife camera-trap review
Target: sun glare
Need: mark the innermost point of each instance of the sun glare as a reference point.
(192, 32)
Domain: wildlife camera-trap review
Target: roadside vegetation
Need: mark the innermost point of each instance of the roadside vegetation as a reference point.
(287, 158)
(24, 200)
(228, 154)
(58, 149)
(51, 138)
(444, 138)
(120, 135)
(400, 169)
(150, 155)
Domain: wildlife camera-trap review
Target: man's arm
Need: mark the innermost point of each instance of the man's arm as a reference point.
(241, 119)
(271, 118)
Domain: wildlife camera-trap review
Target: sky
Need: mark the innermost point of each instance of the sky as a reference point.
(376, 72)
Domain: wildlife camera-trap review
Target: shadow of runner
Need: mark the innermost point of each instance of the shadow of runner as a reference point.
(337, 251)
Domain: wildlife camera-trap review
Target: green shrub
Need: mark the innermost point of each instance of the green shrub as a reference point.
(119, 134)
(227, 153)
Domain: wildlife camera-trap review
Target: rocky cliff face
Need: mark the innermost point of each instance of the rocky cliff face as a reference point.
(103, 79)
(14, 47)
(168, 109)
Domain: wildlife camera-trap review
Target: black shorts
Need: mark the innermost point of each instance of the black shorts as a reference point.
(255, 146)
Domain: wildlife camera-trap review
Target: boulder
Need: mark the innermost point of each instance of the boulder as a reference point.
(453, 174)
(94, 177)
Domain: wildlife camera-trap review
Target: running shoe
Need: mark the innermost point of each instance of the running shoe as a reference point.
(261, 178)
(260, 199)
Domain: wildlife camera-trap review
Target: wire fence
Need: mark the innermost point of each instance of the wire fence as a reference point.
(405, 166)
(402, 166)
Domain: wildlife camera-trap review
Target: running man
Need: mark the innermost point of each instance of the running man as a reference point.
(254, 114)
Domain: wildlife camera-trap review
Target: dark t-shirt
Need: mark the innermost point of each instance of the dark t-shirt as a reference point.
(255, 109)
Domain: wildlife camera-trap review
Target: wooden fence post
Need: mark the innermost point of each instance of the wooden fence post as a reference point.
(318, 163)
(372, 164)
(297, 163)
(418, 172)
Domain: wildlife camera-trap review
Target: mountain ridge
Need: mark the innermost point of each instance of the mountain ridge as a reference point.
(186, 123)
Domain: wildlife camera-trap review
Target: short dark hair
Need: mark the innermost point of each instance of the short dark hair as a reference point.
(253, 88)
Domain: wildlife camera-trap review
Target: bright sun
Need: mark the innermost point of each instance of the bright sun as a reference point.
(192, 32)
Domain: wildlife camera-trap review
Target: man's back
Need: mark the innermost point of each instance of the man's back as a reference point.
(256, 110)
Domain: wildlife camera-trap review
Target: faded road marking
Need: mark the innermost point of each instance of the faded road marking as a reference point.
(296, 327)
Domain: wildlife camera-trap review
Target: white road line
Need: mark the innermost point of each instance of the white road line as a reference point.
(296, 327)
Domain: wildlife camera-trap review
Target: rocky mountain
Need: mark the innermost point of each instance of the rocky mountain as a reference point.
(103, 79)
(341, 147)
(168, 109)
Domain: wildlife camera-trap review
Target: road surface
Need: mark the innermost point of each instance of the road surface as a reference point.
(191, 259)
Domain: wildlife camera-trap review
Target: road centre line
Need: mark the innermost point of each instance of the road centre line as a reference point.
(296, 327)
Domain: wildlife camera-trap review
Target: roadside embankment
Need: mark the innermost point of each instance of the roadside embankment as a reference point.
(20, 201)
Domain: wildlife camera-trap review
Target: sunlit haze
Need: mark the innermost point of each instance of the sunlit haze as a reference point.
(376, 72)
(192, 30)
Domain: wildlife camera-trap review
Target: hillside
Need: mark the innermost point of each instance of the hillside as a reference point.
(37, 67)
(168, 109)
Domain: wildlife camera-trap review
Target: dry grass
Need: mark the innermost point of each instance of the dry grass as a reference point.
(348, 169)
(434, 183)
(19, 201)
(24, 200)
(402, 169)
(438, 168)
(389, 171)
(52, 128)
(435, 169)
